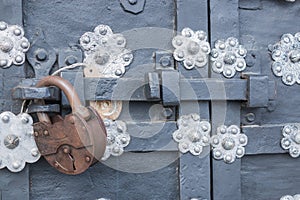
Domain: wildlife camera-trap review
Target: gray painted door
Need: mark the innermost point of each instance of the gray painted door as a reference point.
(152, 167)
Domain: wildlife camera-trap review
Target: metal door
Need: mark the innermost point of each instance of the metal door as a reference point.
(152, 167)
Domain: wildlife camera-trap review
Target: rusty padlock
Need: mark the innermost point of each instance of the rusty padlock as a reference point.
(73, 143)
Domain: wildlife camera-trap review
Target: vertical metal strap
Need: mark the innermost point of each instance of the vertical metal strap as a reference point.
(194, 170)
(12, 13)
(226, 179)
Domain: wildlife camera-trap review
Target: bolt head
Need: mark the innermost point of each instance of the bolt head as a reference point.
(218, 154)
(222, 46)
(124, 140)
(250, 117)
(41, 54)
(165, 61)
(116, 150)
(70, 60)
(167, 112)
(102, 31)
(6, 45)
(36, 134)
(218, 65)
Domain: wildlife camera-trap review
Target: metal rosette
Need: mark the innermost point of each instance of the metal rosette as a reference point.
(105, 53)
(192, 48)
(17, 144)
(286, 56)
(192, 135)
(228, 57)
(291, 139)
(117, 138)
(289, 197)
(13, 45)
(229, 143)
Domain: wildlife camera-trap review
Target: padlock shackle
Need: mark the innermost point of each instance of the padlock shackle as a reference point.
(70, 93)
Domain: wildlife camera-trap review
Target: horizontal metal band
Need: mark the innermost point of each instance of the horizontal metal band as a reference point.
(263, 139)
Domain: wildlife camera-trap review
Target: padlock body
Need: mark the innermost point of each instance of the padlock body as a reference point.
(71, 144)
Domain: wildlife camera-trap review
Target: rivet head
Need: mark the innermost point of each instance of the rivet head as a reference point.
(229, 58)
(11, 141)
(36, 134)
(6, 45)
(19, 59)
(118, 72)
(46, 132)
(5, 118)
(3, 26)
(101, 58)
(24, 45)
(228, 158)
(17, 32)
(34, 152)
(297, 138)
(86, 39)
(3, 62)
(126, 57)
(194, 136)
(87, 159)
(124, 140)
(228, 143)
(66, 149)
(16, 164)
(102, 30)
(116, 149)
(193, 47)
(25, 120)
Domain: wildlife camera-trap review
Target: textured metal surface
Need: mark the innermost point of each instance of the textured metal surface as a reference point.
(192, 48)
(286, 56)
(228, 57)
(17, 141)
(13, 45)
(193, 134)
(117, 138)
(105, 53)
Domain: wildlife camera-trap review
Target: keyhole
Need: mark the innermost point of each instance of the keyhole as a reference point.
(73, 161)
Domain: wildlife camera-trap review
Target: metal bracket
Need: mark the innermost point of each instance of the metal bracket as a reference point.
(133, 6)
(117, 138)
(41, 56)
(286, 56)
(192, 48)
(229, 143)
(291, 139)
(228, 57)
(13, 45)
(17, 141)
(192, 135)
